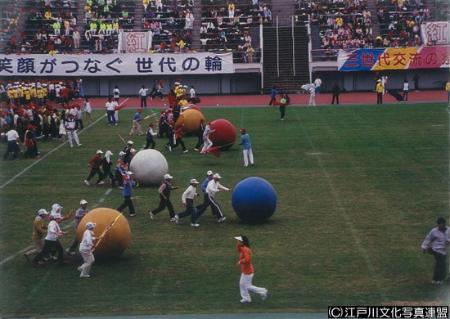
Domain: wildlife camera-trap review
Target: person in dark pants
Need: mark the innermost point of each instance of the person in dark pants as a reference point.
(199, 135)
(95, 164)
(51, 240)
(128, 183)
(273, 95)
(188, 201)
(203, 206)
(336, 91)
(436, 243)
(150, 137)
(164, 198)
(143, 96)
(170, 137)
(405, 90)
(284, 101)
(379, 88)
(179, 138)
(106, 167)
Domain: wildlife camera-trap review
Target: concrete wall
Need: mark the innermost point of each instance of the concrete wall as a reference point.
(364, 81)
(238, 83)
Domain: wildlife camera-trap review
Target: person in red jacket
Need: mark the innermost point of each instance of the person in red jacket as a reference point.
(247, 271)
(95, 164)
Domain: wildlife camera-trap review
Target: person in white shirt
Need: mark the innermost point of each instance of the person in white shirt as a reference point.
(110, 110)
(116, 95)
(51, 240)
(206, 141)
(436, 243)
(12, 137)
(87, 110)
(213, 187)
(405, 90)
(143, 95)
(188, 202)
(87, 250)
(71, 129)
(311, 89)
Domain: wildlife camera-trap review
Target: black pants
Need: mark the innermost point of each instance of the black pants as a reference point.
(95, 170)
(272, 99)
(335, 99)
(143, 101)
(127, 202)
(49, 246)
(150, 141)
(203, 206)
(379, 98)
(163, 203)
(79, 124)
(282, 111)
(189, 211)
(13, 147)
(215, 207)
(405, 95)
(199, 139)
(179, 141)
(111, 117)
(107, 173)
(440, 268)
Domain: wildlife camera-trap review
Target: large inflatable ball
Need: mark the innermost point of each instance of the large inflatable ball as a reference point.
(112, 231)
(191, 118)
(224, 134)
(149, 167)
(254, 200)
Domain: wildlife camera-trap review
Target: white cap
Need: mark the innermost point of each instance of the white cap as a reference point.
(130, 142)
(216, 175)
(129, 172)
(99, 152)
(209, 173)
(90, 225)
(239, 238)
(41, 212)
(122, 153)
(56, 207)
(167, 176)
(83, 202)
(193, 181)
(109, 152)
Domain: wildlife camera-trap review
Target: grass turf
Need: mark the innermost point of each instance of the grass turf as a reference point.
(358, 189)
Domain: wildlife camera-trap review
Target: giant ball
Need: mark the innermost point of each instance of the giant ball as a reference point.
(254, 200)
(191, 119)
(149, 167)
(224, 134)
(112, 231)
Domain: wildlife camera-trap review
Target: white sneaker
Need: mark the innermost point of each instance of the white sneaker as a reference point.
(79, 145)
(174, 220)
(245, 301)
(151, 215)
(195, 225)
(101, 183)
(79, 268)
(87, 182)
(177, 218)
(85, 276)
(221, 220)
(264, 295)
(185, 151)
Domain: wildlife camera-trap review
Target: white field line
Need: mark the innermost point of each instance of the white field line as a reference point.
(26, 169)
(65, 227)
(347, 219)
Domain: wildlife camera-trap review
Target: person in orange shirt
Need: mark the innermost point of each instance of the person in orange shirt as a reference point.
(247, 271)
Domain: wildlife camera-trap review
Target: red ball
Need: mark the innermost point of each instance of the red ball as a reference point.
(224, 134)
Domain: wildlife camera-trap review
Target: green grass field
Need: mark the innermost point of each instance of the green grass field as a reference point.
(358, 188)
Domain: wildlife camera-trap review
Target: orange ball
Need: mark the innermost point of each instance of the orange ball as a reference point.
(115, 240)
(191, 118)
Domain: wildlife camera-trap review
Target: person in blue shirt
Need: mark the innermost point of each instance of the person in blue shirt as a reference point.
(128, 183)
(246, 147)
(203, 206)
(273, 95)
(136, 126)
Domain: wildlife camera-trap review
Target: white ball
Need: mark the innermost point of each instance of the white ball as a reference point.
(149, 167)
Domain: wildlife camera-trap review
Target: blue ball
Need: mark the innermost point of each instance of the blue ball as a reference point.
(254, 200)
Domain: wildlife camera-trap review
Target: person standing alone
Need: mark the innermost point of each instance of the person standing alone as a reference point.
(379, 88)
(246, 147)
(436, 243)
(247, 271)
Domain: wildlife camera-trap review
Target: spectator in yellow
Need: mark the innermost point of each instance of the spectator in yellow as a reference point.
(48, 15)
(447, 89)
(182, 45)
(339, 22)
(379, 88)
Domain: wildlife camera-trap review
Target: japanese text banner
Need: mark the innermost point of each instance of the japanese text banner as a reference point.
(394, 58)
(115, 64)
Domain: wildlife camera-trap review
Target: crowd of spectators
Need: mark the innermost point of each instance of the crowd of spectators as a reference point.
(171, 24)
(400, 22)
(9, 16)
(343, 24)
(104, 19)
(50, 28)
